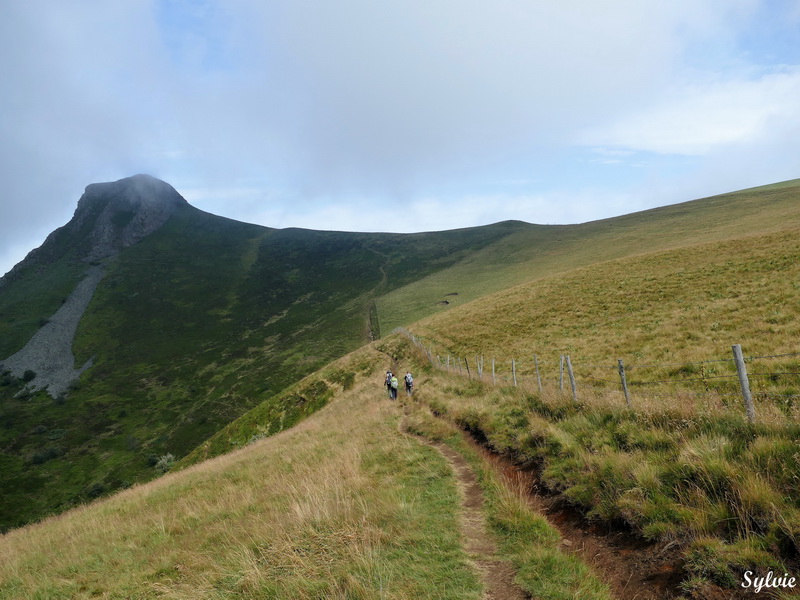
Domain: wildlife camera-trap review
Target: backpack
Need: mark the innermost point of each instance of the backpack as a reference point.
(409, 379)
(394, 383)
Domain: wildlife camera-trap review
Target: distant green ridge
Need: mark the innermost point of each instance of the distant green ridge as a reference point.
(543, 250)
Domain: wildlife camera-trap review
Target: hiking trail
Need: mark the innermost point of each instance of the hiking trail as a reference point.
(496, 573)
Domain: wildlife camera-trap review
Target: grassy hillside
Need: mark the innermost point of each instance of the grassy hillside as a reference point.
(540, 251)
(682, 466)
(343, 505)
(696, 481)
(668, 308)
(201, 321)
(208, 318)
(209, 334)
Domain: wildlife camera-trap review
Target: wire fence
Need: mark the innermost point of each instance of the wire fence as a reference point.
(736, 381)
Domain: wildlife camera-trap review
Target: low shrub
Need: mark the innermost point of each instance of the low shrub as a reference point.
(165, 463)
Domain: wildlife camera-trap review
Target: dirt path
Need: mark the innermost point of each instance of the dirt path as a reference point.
(632, 567)
(497, 574)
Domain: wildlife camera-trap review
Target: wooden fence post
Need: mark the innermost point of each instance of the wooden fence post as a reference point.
(624, 382)
(469, 375)
(561, 374)
(572, 380)
(538, 376)
(744, 382)
(514, 371)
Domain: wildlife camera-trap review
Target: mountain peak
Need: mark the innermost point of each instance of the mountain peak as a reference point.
(109, 217)
(132, 192)
(112, 216)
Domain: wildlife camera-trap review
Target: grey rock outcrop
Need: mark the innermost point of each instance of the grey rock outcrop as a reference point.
(49, 352)
(123, 212)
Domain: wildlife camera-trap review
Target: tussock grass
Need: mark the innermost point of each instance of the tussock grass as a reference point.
(720, 488)
(526, 538)
(340, 506)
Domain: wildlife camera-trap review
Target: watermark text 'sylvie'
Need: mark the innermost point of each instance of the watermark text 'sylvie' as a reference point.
(769, 581)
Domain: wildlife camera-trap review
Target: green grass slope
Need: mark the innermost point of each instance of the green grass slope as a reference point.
(675, 306)
(199, 322)
(208, 318)
(539, 251)
(205, 334)
(344, 505)
(682, 466)
(714, 494)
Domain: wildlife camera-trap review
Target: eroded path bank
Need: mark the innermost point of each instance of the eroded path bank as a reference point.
(628, 566)
(633, 568)
(624, 563)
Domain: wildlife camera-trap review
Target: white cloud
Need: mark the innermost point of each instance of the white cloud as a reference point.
(287, 109)
(697, 119)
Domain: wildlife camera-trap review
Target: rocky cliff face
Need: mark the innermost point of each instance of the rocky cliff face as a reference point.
(109, 217)
(123, 212)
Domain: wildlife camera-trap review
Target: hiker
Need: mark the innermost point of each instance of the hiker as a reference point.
(388, 383)
(393, 388)
(409, 383)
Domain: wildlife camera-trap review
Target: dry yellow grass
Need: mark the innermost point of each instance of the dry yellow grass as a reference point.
(340, 506)
(665, 309)
(545, 251)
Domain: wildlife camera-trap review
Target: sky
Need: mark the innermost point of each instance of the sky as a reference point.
(398, 115)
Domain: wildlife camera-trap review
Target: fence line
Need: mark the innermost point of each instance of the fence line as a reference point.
(578, 377)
